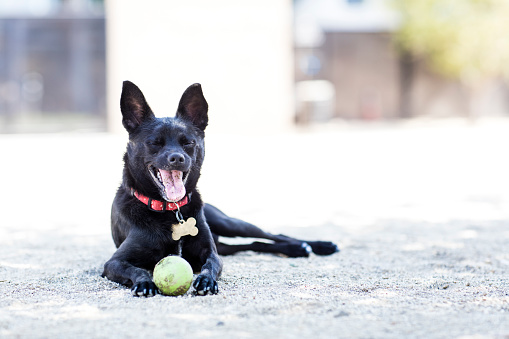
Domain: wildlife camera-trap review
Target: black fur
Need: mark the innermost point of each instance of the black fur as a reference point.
(143, 236)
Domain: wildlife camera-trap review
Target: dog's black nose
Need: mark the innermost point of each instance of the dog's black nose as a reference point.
(176, 159)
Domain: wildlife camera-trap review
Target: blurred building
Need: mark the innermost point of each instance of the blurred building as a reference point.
(52, 65)
(348, 67)
(343, 48)
(62, 63)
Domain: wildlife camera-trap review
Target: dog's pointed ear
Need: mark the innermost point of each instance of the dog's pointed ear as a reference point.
(193, 107)
(134, 107)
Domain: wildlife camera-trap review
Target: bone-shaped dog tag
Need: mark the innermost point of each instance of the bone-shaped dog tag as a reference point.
(187, 227)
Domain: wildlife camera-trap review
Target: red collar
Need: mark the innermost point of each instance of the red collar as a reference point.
(159, 206)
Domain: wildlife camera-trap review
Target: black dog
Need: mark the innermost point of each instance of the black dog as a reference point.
(158, 211)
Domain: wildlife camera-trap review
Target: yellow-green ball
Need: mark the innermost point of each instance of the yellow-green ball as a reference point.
(173, 275)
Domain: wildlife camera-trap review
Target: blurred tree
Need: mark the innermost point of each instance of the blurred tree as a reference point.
(466, 39)
(463, 39)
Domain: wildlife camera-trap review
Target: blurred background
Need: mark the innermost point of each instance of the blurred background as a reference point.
(380, 125)
(384, 108)
(304, 62)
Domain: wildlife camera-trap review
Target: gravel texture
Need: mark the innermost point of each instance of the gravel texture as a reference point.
(420, 212)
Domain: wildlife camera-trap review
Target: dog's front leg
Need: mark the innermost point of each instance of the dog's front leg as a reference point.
(126, 267)
(206, 282)
(201, 252)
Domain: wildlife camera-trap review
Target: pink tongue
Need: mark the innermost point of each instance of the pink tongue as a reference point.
(174, 187)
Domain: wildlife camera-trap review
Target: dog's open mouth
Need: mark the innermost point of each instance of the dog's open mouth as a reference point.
(171, 183)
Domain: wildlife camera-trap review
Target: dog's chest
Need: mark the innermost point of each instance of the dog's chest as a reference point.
(174, 233)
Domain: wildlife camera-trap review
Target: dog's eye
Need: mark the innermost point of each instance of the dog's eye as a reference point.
(187, 142)
(155, 142)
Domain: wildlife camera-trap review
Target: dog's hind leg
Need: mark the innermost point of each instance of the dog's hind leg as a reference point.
(318, 247)
(290, 249)
(225, 226)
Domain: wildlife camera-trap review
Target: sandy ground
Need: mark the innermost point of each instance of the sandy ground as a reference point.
(420, 212)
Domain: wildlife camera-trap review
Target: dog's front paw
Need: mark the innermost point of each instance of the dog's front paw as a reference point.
(204, 284)
(144, 289)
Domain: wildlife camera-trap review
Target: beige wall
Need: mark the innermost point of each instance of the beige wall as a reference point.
(240, 51)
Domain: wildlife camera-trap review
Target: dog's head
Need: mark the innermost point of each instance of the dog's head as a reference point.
(164, 155)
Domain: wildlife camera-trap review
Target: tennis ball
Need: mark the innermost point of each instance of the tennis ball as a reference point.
(173, 275)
